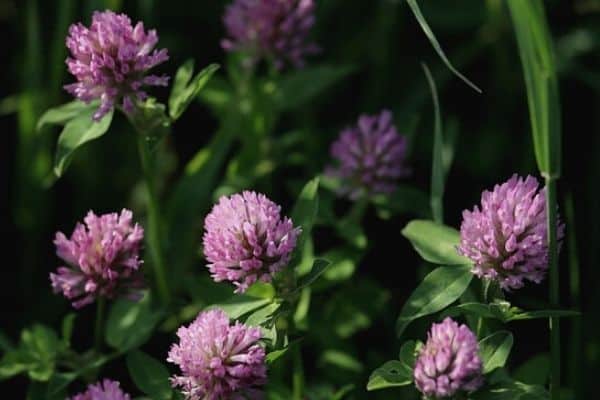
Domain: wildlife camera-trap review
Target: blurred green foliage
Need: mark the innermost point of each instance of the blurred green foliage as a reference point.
(371, 59)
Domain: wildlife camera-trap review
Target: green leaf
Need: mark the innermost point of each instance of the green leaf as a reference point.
(301, 86)
(151, 122)
(436, 45)
(543, 314)
(437, 163)
(217, 93)
(494, 350)
(318, 268)
(59, 382)
(263, 316)
(534, 371)
(67, 328)
(539, 69)
(503, 311)
(182, 94)
(36, 354)
(149, 375)
(434, 242)
(76, 133)
(511, 390)
(408, 355)
(341, 360)
(390, 374)
(440, 288)
(129, 324)
(306, 208)
(240, 305)
(62, 114)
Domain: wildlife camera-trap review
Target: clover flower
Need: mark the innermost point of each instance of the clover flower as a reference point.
(219, 360)
(102, 258)
(449, 362)
(247, 240)
(276, 29)
(105, 390)
(370, 156)
(507, 238)
(111, 59)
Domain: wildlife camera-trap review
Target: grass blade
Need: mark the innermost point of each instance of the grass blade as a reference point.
(539, 69)
(436, 45)
(437, 164)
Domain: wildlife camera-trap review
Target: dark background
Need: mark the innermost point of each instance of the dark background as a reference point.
(383, 41)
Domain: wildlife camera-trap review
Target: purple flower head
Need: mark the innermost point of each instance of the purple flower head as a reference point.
(277, 29)
(102, 259)
(110, 60)
(246, 239)
(449, 362)
(218, 360)
(370, 156)
(507, 238)
(105, 390)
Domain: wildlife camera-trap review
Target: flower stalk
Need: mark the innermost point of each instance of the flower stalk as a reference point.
(154, 232)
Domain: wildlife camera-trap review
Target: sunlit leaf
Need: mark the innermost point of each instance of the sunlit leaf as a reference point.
(440, 288)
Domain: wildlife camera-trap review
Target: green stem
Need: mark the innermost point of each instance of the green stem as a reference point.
(99, 326)
(551, 218)
(298, 375)
(485, 289)
(153, 233)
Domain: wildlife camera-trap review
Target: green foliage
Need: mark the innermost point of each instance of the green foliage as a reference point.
(405, 199)
(503, 311)
(78, 131)
(185, 89)
(240, 305)
(318, 268)
(129, 324)
(149, 375)
(302, 86)
(440, 288)
(396, 372)
(539, 69)
(36, 354)
(434, 242)
(305, 210)
(64, 113)
(437, 164)
(414, 6)
(494, 350)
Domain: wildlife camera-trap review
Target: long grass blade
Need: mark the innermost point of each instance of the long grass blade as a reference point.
(539, 69)
(414, 6)
(437, 164)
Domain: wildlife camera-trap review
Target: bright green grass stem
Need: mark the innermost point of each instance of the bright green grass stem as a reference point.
(551, 217)
(153, 233)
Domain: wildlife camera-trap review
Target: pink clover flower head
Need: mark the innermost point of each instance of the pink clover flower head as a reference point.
(110, 61)
(105, 390)
(275, 29)
(247, 240)
(449, 362)
(370, 156)
(219, 360)
(102, 259)
(507, 237)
